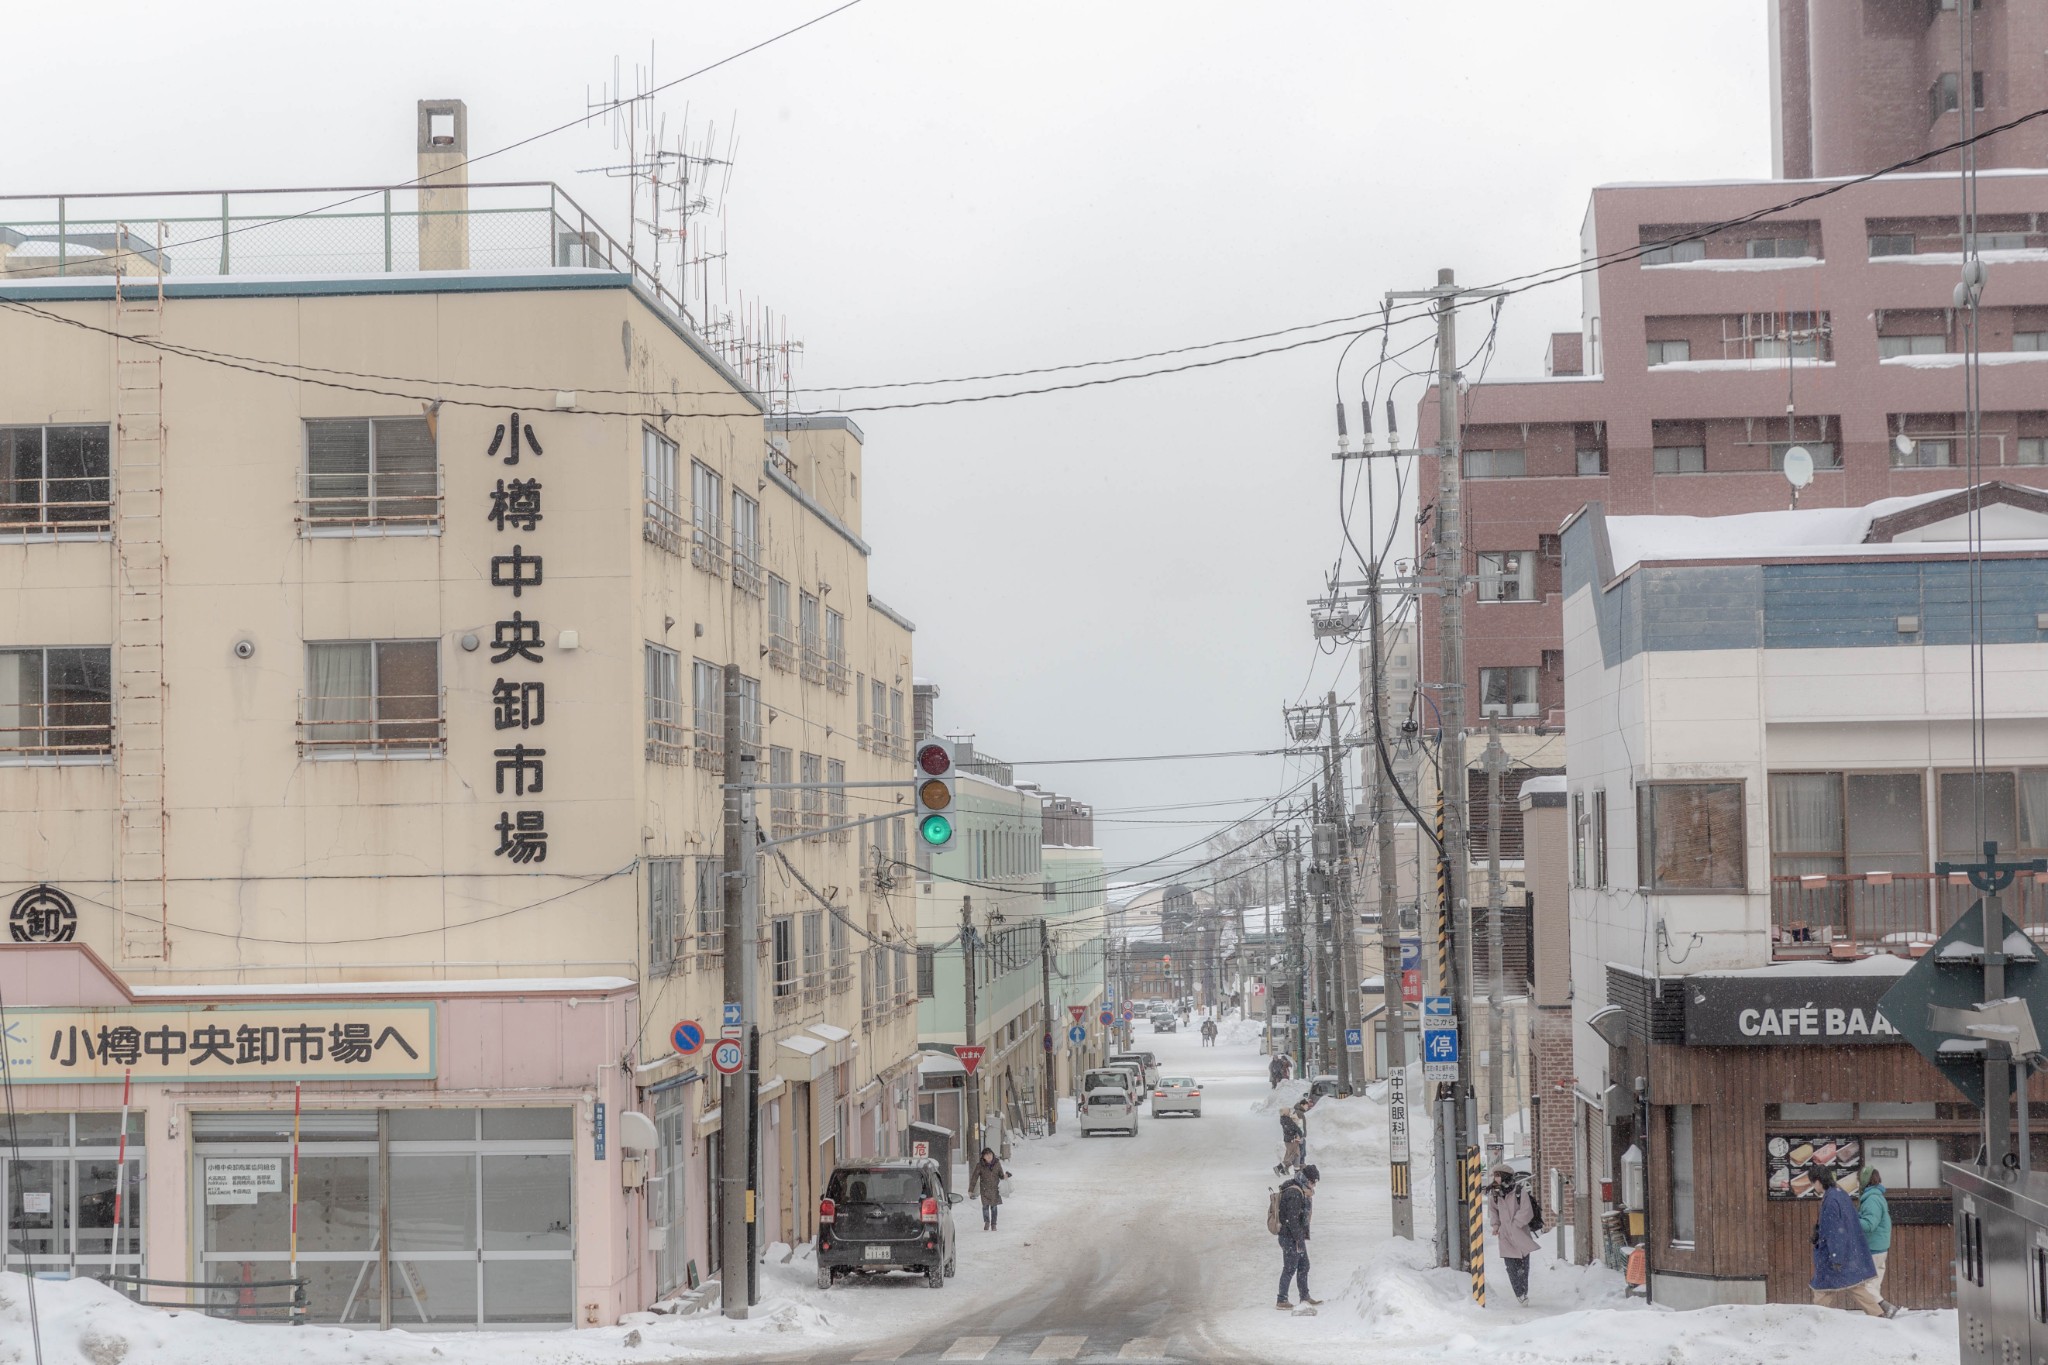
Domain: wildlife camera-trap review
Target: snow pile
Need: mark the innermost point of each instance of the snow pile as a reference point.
(1240, 1032)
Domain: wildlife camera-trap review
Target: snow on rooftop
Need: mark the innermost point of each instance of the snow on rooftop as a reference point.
(1538, 785)
(1877, 964)
(1738, 263)
(1743, 535)
(2022, 253)
(1742, 363)
(1948, 360)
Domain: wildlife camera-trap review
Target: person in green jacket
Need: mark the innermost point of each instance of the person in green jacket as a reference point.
(1874, 1212)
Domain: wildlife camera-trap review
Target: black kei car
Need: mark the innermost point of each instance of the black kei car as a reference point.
(879, 1216)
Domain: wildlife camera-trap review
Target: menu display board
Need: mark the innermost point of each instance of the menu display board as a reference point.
(1791, 1164)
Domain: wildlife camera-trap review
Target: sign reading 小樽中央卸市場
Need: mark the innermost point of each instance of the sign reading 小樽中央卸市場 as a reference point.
(1789, 1010)
(313, 1040)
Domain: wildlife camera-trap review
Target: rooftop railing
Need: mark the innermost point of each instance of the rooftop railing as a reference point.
(1894, 912)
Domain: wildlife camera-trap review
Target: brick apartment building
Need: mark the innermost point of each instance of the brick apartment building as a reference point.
(1698, 364)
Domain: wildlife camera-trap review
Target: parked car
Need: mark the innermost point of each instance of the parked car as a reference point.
(1325, 1084)
(1109, 1110)
(883, 1216)
(1146, 1062)
(1165, 1023)
(1177, 1095)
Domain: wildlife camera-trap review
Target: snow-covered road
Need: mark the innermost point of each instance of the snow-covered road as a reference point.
(1111, 1248)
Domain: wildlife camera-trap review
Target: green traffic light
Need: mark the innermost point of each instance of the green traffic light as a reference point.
(935, 830)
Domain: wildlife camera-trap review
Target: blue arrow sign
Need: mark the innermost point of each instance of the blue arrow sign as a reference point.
(1436, 1007)
(1312, 1026)
(1077, 1034)
(732, 1014)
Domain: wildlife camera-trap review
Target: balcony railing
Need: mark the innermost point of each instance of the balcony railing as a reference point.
(55, 506)
(1896, 912)
(396, 501)
(57, 730)
(781, 647)
(373, 727)
(709, 751)
(661, 524)
(812, 660)
(747, 574)
(668, 740)
(707, 551)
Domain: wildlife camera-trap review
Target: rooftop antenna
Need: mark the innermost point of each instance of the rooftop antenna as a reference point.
(1798, 471)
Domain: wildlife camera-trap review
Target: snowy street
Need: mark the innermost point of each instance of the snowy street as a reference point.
(1111, 1248)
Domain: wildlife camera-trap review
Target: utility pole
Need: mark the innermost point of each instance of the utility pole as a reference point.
(1495, 761)
(736, 1115)
(1052, 1104)
(967, 965)
(1450, 547)
(1344, 923)
(1390, 929)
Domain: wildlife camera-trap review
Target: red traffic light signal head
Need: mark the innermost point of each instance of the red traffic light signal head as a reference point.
(934, 759)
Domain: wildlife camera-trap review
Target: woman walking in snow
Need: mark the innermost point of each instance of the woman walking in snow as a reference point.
(987, 1183)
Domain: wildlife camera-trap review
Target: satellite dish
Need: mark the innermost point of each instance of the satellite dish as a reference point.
(1904, 443)
(1798, 467)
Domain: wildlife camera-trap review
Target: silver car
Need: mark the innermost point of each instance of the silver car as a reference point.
(1177, 1095)
(1109, 1110)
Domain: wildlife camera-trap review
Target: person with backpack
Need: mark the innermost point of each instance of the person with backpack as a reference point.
(1512, 1209)
(1292, 1134)
(1288, 1211)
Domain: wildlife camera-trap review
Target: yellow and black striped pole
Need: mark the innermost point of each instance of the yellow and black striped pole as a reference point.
(1475, 1227)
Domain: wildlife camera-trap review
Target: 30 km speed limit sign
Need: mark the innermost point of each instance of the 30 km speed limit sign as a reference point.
(728, 1057)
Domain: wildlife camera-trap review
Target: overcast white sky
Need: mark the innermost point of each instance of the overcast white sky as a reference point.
(932, 188)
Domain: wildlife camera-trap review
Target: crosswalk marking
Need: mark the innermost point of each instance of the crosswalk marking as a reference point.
(1059, 1348)
(971, 1348)
(1144, 1348)
(885, 1352)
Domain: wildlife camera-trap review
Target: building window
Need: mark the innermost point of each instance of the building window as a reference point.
(927, 971)
(835, 651)
(2014, 810)
(1684, 1200)
(707, 713)
(661, 517)
(1507, 691)
(666, 731)
(782, 794)
(2031, 450)
(1689, 836)
(55, 479)
(1888, 347)
(842, 970)
(56, 704)
(813, 780)
(1835, 823)
(2030, 341)
(1496, 464)
(835, 792)
(60, 1201)
(782, 957)
(812, 644)
(1592, 461)
(1942, 96)
(1680, 459)
(1918, 453)
(377, 472)
(814, 952)
(1507, 576)
(897, 733)
(707, 540)
(1578, 838)
(2001, 241)
(709, 887)
(1673, 253)
(879, 732)
(1669, 352)
(664, 915)
(750, 714)
(1765, 248)
(746, 544)
(1825, 453)
(781, 639)
(1891, 244)
(372, 698)
(1599, 868)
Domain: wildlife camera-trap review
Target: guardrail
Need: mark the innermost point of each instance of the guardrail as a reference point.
(240, 1307)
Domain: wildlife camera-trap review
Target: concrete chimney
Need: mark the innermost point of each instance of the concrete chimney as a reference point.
(444, 185)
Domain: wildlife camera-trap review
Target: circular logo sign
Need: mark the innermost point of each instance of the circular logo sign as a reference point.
(687, 1036)
(728, 1057)
(43, 914)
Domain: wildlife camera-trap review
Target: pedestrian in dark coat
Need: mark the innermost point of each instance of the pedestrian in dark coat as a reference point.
(1291, 1133)
(986, 1182)
(1844, 1276)
(1297, 1204)
(1276, 1070)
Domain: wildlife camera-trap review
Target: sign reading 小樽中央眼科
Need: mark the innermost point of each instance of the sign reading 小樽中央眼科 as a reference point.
(313, 1041)
(1823, 1007)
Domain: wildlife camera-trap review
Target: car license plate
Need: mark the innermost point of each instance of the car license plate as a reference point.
(878, 1253)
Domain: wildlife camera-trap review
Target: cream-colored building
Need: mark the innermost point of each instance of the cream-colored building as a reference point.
(361, 669)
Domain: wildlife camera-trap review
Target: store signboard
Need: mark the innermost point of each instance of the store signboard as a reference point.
(1828, 1007)
(314, 1040)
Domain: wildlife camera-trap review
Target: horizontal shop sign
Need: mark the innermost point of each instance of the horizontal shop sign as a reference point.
(270, 1042)
(1786, 1011)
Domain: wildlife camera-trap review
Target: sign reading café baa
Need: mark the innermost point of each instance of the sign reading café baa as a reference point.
(1827, 1006)
(316, 1040)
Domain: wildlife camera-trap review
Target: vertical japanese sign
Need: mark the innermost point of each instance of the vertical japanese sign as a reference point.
(518, 695)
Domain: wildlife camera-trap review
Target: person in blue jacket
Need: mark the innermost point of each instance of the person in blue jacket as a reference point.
(1874, 1211)
(1844, 1276)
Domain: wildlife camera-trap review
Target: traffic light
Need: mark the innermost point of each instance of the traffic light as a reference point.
(932, 777)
